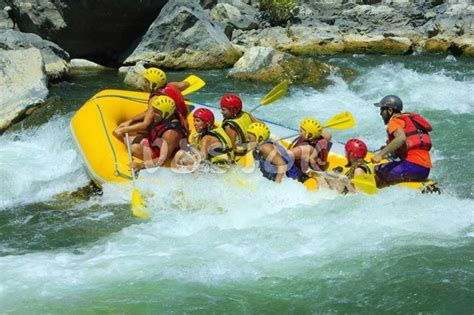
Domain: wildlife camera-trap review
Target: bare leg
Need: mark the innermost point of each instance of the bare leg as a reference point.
(137, 150)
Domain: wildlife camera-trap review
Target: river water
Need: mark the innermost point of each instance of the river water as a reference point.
(217, 245)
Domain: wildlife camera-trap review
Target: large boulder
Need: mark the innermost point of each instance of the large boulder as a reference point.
(85, 65)
(437, 45)
(269, 65)
(238, 15)
(23, 83)
(450, 20)
(369, 18)
(370, 44)
(88, 28)
(183, 37)
(320, 39)
(463, 46)
(56, 60)
(134, 76)
(5, 20)
(450, 28)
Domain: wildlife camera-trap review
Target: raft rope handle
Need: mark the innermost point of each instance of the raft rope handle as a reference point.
(117, 171)
(133, 99)
(264, 120)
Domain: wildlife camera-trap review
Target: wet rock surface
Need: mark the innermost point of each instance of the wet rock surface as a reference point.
(23, 83)
(183, 37)
(56, 59)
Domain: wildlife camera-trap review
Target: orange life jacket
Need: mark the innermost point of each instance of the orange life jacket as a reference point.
(416, 131)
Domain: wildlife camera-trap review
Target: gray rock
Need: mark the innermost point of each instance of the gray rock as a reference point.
(56, 60)
(451, 20)
(183, 37)
(244, 8)
(83, 64)
(134, 76)
(269, 65)
(122, 71)
(317, 39)
(367, 19)
(5, 20)
(228, 14)
(370, 43)
(23, 83)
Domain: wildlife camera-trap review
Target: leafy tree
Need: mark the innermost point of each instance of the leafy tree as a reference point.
(279, 11)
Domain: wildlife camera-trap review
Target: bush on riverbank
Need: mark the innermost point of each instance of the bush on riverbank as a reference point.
(279, 11)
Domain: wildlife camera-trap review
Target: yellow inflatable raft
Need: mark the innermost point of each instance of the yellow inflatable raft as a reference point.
(106, 158)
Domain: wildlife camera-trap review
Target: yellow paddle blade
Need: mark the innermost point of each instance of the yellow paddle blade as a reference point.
(311, 184)
(277, 92)
(196, 83)
(247, 161)
(366, 183)
(138, 206)
(343, 120)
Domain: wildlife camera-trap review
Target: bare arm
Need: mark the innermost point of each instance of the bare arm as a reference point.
(182, 85)
(135, 119)
(358, 171)
(269, 151)
(326, 135)
(206, 145)
(306, 154)
(141, 126)
(168, 147)
(396, 143)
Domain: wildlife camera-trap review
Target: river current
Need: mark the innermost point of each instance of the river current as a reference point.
(214, 244)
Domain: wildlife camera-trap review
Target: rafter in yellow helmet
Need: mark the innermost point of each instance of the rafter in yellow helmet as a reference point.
(165, 105)
(311, 127)
(260, 131)
(156, 77)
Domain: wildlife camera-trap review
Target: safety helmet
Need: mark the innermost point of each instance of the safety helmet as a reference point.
(391, 101)
(260, 131)
(357, 148)
(312, 128)
(156, 77)
(165, 105)
(205, 115)
(231, 101)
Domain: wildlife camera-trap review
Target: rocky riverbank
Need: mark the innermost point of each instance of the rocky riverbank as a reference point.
(38, 38)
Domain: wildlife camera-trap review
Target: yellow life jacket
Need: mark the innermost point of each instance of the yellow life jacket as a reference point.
(360, 163)
(240, 125)
(219, 156)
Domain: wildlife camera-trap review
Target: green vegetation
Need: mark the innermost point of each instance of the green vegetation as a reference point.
(279, 11)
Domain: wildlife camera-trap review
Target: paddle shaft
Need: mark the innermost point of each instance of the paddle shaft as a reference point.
(255, 108)
(127, 140)
(332, 125)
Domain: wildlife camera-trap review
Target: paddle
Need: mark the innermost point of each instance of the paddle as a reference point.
(277, 92)
(196, 83)
(343, 120)
(138, 206)
(363, 182)
(366, 183)
(340, 121)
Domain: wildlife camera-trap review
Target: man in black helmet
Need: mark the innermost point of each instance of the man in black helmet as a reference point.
(408, 139)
